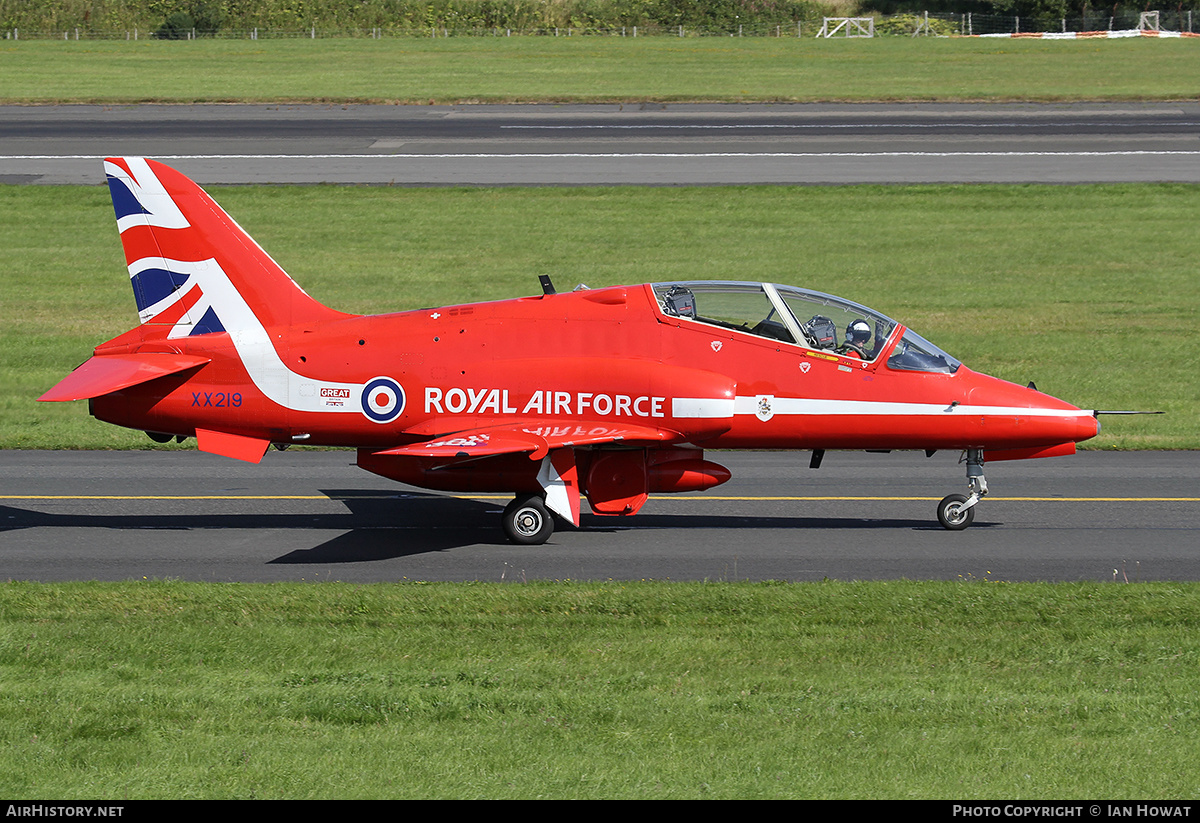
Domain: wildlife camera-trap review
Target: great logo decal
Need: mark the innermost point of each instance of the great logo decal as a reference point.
(334, 397)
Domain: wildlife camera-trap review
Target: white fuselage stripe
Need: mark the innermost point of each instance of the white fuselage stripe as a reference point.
(700, 407)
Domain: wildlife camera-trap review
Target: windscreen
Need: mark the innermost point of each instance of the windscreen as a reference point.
(915, 353)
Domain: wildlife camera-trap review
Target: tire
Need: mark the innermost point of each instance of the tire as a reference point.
(951, 514)
(527, 521)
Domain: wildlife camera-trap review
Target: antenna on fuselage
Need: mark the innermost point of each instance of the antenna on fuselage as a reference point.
(547, 286)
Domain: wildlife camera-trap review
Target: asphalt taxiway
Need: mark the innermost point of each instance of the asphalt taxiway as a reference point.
(638, 144)
(312, 516)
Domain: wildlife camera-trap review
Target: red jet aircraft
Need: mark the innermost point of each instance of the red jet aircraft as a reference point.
(605, 394)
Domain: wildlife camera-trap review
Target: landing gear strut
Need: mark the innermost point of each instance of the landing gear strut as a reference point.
(957, 511)
(527, 521)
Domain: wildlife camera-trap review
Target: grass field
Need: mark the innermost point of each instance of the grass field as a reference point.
(594, 69)
(1089, 291)
(969, 690)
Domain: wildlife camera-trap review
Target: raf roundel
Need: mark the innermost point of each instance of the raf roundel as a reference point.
(382, 400)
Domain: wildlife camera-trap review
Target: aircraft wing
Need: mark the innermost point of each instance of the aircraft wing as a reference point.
(103, 374)
(537, 437)
(551, 442)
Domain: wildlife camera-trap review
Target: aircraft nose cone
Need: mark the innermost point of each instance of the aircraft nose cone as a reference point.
(1067, 427)
(1067, 422)
(1087, 427)
(1040, 419)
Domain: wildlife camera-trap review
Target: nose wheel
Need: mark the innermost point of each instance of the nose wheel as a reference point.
(954, 513)
(957, 511)
(527, 521)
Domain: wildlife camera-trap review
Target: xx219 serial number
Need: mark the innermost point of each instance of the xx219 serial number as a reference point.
(217, 399)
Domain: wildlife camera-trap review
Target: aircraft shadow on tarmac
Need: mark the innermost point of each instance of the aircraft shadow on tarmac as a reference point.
(382, 526)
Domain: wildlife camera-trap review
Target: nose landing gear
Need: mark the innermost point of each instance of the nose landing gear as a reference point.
(957, 511)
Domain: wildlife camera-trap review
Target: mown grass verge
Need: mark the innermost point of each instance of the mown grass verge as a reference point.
(577, 690)
(1089, 291)
(596, 69)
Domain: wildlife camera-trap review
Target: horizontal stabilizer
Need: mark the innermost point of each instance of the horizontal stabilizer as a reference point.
(535, 437)
(104, 374)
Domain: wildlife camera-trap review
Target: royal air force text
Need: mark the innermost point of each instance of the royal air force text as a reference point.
(498, 401)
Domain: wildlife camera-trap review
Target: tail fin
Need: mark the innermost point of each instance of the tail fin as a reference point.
(194, 270)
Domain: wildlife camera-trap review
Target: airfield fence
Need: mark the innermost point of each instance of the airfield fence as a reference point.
(901, 25)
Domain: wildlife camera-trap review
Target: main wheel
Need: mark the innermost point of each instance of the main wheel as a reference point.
(527, 521)
(951, 513)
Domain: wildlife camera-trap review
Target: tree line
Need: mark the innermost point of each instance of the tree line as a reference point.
(176, 17)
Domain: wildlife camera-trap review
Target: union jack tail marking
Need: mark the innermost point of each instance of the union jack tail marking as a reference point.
(194, 270)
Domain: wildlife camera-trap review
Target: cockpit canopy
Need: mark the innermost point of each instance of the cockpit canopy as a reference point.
(804, 318)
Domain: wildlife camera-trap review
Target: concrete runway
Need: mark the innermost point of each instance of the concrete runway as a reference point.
(613, 145)
(313, 516)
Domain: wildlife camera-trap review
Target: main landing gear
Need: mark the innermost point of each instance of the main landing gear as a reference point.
(957, 511)
(527, 521)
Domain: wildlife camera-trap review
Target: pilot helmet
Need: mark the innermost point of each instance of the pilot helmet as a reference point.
(858, 332)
